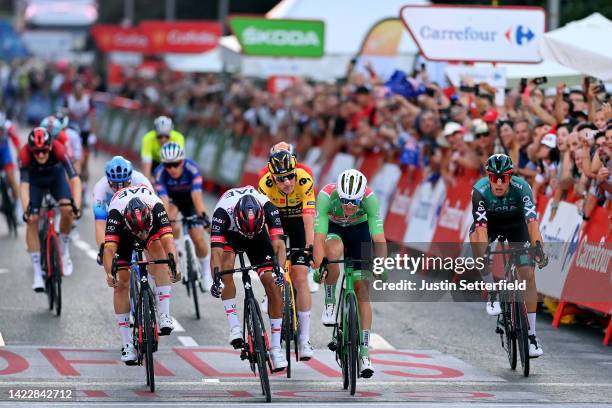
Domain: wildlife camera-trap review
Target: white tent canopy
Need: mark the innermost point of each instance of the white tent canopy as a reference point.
(346, 24)
(582, 45)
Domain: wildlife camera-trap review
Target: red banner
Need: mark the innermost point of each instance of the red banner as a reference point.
(396, 222)
(589, 282)
(116, 38)
(182, 36)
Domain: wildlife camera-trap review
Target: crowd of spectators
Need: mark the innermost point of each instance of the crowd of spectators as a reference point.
(559, 138)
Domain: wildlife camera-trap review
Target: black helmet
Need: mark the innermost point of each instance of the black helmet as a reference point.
(281, 163)
(138, 216)
(249, 216)
(500, 164)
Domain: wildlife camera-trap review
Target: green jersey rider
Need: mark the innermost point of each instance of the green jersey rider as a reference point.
(502, 204)
(347, 221)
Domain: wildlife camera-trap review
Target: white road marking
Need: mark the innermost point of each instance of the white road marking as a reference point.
(177, 326)
(187, 341)
(82, 245)
(211, 380)
(3, 270)
(379, 343)
(1, 340)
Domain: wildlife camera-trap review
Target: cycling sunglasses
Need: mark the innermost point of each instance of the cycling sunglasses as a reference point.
(40, 152)
(118, 186)
(354, 202)
(503, 177)
(172, 165)
(159, 136)
(479, 135)
(281, 179)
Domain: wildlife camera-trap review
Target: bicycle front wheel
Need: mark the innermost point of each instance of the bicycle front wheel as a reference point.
(353, 344)
(192, 274)
(522, 335)
(287, 324)
(509, 333)
(55, 263)
(148, 338)
(260, 350)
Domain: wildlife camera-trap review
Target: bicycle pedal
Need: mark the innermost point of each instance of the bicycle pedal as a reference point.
(499, 330)
(237, 343)
(332, 345)
(243, 354)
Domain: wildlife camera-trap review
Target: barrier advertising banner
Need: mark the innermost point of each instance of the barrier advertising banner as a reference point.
(182, 36)
(476, 33)
(116, 38)
(260, 36)
(428, 199)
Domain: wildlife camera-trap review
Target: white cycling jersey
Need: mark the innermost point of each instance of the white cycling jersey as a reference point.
(102, 193)
(228, 201)
(122, 197)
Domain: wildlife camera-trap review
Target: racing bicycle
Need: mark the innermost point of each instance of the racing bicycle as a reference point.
(189, 262)
(7, 205)
(512, 322)
(145, 331)
(290, 327)
(50, 252)
(255, 347)
(346, 338)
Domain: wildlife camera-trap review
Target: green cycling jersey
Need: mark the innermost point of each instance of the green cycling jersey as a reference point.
(517, 206)
(329, 209)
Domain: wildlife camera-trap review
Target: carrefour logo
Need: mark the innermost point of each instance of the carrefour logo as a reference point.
(520, 35)
(464, 34)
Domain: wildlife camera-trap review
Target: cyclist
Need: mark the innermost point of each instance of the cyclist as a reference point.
(502, 204)
(238, 223)
(44, 165)
(82, 112)
(280, 146)
(73, 133)
(179, 184)
(136, 214)
(8, 131)
(347, 221)
(291, 190)
(71, 140)
(119, 174)
(152, 142)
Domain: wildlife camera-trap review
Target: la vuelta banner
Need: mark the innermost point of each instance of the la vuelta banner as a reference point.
(182, 36)
(110, 37)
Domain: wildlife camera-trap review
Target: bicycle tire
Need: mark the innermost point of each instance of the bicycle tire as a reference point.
(50, 289)
(509, 333)
(287, 324)
(191, 275)
(133, 294)
(341, 349)
(55, 263)
(522, 335)
(8, 207)
(353, 344)
(260, 350)
(148, 338)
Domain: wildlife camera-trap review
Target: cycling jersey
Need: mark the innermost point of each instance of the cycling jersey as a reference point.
(223, 220)
(58, 157)
(224, 232)
(10, 131)
(116, 228)
(264, 170)
(103, 193)
(179, 189)
(72, 140)
(151, 146)
(514, 208)
(300, 201)
(6, 157)
(79, 110)
(329, 209)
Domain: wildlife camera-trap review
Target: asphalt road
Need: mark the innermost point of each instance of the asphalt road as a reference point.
(443, 353)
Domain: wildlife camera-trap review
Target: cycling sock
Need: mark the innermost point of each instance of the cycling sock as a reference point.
(365, 338)
(532, 323)
(123, 321)
(275, 328)
(163, 293)
(488, 278)
(304, 324)
(231, 312)
(330, 294)
(205, 263)
(35, 256)
(65, 244)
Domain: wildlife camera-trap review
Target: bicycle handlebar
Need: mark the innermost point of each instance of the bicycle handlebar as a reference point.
(218, 274)
(170, 262)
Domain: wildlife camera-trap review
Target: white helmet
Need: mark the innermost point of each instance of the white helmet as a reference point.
(171, 152)
(163, 125)
(351, 184)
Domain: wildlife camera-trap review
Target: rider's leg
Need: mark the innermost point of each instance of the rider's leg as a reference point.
(121, 302)
(334, 249)
(299, 277)
(526, 273)
(202, 252)
(275, 306)
(163, 279)
(365, 312)
(228, 295)
(176, 224)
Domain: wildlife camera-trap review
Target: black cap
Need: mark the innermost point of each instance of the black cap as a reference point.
(363, 90)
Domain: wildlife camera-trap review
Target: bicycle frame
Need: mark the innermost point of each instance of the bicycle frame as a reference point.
(347, 288)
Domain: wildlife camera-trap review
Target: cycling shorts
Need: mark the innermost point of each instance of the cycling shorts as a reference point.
(258, 249)
(55, 183)
(187, 209)
(294, 229)
(357, 242)
(516, 234)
